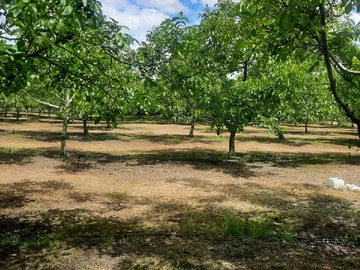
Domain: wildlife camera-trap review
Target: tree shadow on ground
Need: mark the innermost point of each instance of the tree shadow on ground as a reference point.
(184, 237)
(239, 166)
(41, 136)
(20, 157)
(344, 142)
(16, 195)
(191, 241)
(266, 140)
(49, 136)
(293, 160)
(108, 135)
(170, 139)
(198, 160)
(13, 120)
(9, 199)
(316, 214)
(74, 165)
(298, 141)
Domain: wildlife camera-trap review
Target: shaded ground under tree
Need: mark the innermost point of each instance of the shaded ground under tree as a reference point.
(168, 201)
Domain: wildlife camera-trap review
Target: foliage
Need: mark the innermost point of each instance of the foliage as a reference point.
(65, 54)
(180, 84)
(302, 28)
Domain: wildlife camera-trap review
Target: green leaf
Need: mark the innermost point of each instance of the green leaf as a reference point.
(97, 120)
(61, 26)
(312, 68)
(34, 9)
(284, 20)
(349, 8)
(17, 11)
(77, 22)
(20, 44)
(84, 3)
(53, 45)
(68, 10)
(114, 123)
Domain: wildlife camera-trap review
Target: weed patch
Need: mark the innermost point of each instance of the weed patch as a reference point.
(240, 228)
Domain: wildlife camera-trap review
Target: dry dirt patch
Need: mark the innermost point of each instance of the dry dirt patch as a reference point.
(150, 175)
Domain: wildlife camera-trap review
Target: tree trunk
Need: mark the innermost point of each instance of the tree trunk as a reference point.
(85, 126)
(108, 124)
(6, 112)
(65, 124)
(333, 85)
(40, 111)
(232, 144)
(332, 121)
(49, 112)
(281, 134)
(17, 114)
(192, 128)
(64, 137)
(306, 125)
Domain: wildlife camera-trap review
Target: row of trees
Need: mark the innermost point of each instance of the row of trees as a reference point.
(250, 62)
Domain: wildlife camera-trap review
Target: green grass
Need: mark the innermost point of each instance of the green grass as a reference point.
(30, 241)
(242, 228)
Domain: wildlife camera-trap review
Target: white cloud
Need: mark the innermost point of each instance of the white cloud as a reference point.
(355, 17)
(210, 3)
(140, 16)
(138, 20)
(167, 6)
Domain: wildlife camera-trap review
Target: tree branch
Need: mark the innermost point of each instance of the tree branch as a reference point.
(342, 67)
(40, 101)
(327, 58)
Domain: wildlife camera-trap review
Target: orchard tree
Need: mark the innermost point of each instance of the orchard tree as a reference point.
(294, 93)
(233, 106)
(302, 28)
(65, 47)
(231, 68)
(5, 103)
(175, 70)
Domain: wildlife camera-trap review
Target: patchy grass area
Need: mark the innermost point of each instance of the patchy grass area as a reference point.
(146, 196)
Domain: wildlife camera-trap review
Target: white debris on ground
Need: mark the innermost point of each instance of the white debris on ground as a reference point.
(352, 187)
(338, 183)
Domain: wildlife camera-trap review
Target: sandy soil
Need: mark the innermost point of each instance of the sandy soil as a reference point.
(166, 181)
(128, 178)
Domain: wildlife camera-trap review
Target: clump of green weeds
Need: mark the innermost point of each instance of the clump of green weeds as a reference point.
(241, 228)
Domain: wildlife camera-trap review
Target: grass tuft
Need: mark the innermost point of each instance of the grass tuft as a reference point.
(242, 228)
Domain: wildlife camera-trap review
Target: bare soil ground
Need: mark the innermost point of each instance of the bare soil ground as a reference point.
(146, 196)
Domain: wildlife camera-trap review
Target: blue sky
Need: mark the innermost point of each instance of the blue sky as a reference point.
(141, 15)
